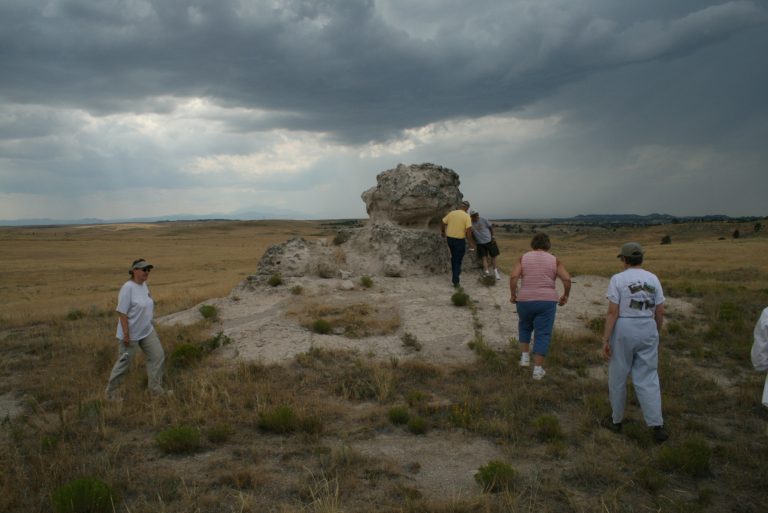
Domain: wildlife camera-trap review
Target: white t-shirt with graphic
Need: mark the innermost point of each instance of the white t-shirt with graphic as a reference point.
(636, 291)
(136, 303)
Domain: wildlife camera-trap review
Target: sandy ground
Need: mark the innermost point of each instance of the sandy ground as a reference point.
(260, 328)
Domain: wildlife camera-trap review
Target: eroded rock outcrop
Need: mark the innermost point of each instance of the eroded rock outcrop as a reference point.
(415, 196)
(401, 238)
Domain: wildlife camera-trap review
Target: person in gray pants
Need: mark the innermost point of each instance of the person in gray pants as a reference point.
(631, 340)
(135, 310)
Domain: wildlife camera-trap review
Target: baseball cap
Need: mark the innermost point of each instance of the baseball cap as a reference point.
(631, 249)
(473, 212)
(465, 203)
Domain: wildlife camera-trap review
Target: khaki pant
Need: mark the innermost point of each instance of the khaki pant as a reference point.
(154, 356)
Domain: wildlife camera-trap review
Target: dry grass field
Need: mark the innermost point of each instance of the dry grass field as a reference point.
(246, 437)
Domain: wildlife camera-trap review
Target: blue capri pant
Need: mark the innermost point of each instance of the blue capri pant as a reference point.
(536, 317)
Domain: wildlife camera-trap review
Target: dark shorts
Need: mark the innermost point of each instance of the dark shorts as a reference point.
(488, 249)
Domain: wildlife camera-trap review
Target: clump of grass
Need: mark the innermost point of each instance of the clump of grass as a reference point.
(219, 433)
(417, 425)
(281, 420)
(691, 457)
(547, 428)
(366, 281)
(297, 290)
(184, 355)
(178, 440)
(596, 324)
(495, 476)
(398, 415)
(638, 433)
(651, 479)
(75, 314)
(275, 280)
(410, 341)
(488, 280)
(460, 298)
(209, 312)
(84, 495)
(321, 326)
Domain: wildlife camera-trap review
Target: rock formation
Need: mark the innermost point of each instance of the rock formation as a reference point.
(416, 196)
(401, 238)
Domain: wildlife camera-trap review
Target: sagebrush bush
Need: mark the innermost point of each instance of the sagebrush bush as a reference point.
(184, 355)
(297, 290)
(460, 298)
(691, 457)
(366, 281)
(209, 312)
(178, 440)
(398, 415)
(495, 476)
(84, 495)
(321, 326)
(281, 420)
(275, 280)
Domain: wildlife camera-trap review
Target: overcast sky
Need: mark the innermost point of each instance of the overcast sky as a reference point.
(126, 108)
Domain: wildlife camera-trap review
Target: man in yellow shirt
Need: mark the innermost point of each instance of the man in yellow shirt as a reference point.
(457, 229)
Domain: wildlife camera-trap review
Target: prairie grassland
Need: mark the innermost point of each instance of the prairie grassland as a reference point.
(50, 271)
(248, 437)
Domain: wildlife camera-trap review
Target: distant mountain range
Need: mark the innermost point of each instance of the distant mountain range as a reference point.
(238, 215)
(252, 215)
(633, 219)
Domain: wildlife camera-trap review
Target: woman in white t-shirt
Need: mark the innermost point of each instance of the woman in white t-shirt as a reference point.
(135, 310)
(631, 340)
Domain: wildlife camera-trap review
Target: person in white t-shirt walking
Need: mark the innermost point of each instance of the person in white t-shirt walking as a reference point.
(135, 309)
(759, 352)
(631, 340)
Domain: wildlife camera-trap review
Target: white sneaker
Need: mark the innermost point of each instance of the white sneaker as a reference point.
(496, 272)
(525, 359)
(539, 372)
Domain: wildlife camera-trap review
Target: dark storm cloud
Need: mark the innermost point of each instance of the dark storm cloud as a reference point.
(360, 70)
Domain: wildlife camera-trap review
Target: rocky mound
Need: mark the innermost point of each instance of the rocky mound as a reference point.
(401, 237)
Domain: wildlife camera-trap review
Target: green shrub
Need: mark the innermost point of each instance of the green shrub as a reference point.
(84, 495)
(209, 312)
(184, 355)
(398, 415)
(275, 280)
(691, 457)
(366, 281)
(213, 343)
(178, 440)
(297, 290)
(321, 326)
(547, 428)
(417, 425)
(596, 325)
(495, 476)
(281, 419)
(460, 298)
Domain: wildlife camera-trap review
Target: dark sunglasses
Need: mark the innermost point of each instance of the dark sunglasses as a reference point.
(146, 269)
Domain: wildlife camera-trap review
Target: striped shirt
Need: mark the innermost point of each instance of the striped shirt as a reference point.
(539, 270)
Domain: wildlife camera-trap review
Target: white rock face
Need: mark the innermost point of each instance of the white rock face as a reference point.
(415, 196)
(401, 238)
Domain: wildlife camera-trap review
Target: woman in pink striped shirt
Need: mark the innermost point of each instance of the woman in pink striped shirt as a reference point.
(537, 299)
